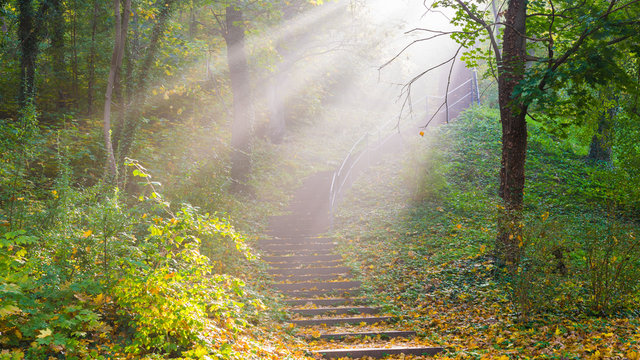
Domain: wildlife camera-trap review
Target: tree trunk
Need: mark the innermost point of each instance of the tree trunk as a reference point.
(277, 123)
(28, 51)
(600, 148)
(132, 119)
(514, 133)
(242, 106)
(121, 23)
(57, 52)
(92, 55)
(74, 60)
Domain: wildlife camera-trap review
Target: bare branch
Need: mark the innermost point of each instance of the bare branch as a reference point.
(413, 43)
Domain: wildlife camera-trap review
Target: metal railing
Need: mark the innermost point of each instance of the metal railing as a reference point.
(355, 154)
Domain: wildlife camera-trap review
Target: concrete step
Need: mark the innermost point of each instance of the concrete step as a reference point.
(336, 310)
(311, 277)
(299, 294)
(305, 265)
(378, 353)
(318, 285)
(306, 259)
(341, 320)
(310, 271)
(297, 240)
(299, 252)
(273, 248)
(326, 302)
(367, 334)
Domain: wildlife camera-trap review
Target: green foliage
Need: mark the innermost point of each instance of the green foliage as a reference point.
(580, 220)
(87, 274)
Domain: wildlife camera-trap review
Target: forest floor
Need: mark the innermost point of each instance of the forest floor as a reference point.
(419, 227)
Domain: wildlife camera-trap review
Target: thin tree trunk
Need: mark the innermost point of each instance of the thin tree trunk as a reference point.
(121, 23)
(242, 106)
(74, 63)
(92, 56)
(600, 147)
(514, 132)
(57, 52)
(277, 123)
(28, 51)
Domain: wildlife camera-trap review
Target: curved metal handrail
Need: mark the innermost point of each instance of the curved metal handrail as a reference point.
(339, 177)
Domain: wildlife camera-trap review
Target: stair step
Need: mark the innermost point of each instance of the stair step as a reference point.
(326, 302)
(318, 285)
(312, 293)
(297, 240)
(299, 252)
(312, 277)
(305, 264)
(367, 334)
(310, 271)
(272, 259)
(377, 353)
(341, 320)
(336, 310)
(284, 248)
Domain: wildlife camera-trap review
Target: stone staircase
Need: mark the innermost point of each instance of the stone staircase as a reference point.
(321, 294)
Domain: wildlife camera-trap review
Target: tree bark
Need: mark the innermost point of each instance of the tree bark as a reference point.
(57, 27)
(28, 51)
(132, 118)
(92, 55)
(600, 147)
(242, 106)
(514, 132)
(121, 23)
(277, 122)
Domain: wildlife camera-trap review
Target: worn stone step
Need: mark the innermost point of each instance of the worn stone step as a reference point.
(378, 353)
(327, 301)
(273, 259)
(341, 320)
(319, 285)
(310, 271)
(336, 310)
(310, 277)
(367, 334)
(305, 265)
(297, 294)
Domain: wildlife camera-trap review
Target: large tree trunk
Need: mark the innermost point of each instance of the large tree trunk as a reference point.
(514, 132)
(121, 23)
(242, 106)
(28, 51)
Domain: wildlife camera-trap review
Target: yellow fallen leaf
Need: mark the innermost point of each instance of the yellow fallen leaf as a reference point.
(87, 233)
(44, 333)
